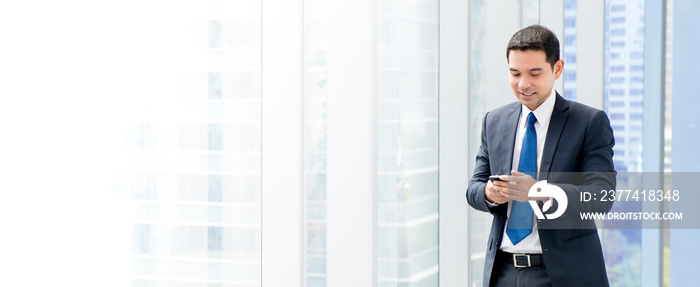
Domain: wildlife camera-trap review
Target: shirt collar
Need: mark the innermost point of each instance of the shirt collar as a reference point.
(543, 113)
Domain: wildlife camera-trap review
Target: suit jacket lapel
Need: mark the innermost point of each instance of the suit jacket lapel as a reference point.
(510, 124)
(509, 129)
(556, 126)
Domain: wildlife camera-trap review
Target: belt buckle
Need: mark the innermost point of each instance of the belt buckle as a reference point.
(523, 256)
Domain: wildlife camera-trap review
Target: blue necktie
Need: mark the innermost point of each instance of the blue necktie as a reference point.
(520, 221)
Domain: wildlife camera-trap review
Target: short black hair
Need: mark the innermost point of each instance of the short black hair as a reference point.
(537, 38)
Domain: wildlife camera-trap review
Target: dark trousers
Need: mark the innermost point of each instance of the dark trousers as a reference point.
(505, 274)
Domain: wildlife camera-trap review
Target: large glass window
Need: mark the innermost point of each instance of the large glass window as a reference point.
(193, 166)
(315, 140)
(479, 222)
(624, 37)
(408, 143)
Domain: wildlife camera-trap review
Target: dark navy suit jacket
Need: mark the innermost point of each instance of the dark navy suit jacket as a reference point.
(577, 157)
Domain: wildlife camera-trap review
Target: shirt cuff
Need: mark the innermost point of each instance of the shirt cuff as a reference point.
(490, 204)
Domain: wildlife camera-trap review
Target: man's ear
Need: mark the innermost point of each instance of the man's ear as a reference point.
(558, 69)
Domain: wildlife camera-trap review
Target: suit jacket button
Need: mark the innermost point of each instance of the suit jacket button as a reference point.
(546, 250)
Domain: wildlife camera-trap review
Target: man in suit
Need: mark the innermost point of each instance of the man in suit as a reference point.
(542, 137)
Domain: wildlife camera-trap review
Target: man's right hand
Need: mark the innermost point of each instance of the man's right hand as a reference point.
(493, 194)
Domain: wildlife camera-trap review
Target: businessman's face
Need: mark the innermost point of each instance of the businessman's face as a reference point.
(531, 77)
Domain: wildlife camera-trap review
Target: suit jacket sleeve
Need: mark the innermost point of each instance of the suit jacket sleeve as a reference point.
(482, 171)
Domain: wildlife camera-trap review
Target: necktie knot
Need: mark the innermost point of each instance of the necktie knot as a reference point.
(531, 119)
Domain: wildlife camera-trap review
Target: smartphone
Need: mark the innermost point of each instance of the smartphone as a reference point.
(495, 177)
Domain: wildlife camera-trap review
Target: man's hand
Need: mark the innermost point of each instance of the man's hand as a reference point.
(516, 187)
(493, 193)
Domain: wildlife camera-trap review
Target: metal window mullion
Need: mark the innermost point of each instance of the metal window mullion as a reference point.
(282, 157)
(352, 143)
(453, 151)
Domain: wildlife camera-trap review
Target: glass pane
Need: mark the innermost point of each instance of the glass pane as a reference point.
(479, 222)
(569, 49)
(315, 99)
(668, 128)
(193, 166)
(624, 91)
(408, 143)
(530, 12)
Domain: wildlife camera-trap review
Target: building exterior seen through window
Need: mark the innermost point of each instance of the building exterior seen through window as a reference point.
(408, 156)
(195, 156)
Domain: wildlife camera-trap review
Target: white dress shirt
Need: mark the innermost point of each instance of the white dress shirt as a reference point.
(543, 113)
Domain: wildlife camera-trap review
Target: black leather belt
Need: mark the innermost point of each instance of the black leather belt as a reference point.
(520, 260)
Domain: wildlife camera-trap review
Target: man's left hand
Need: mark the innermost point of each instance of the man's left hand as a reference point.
(519, 185)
